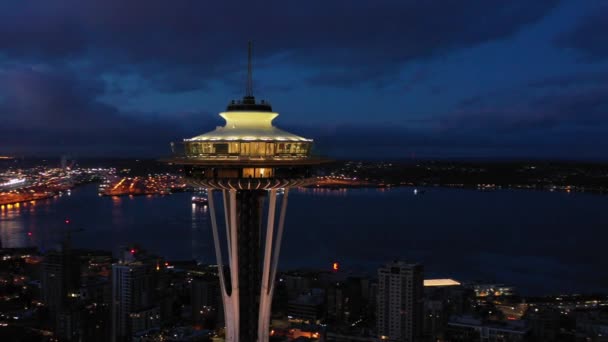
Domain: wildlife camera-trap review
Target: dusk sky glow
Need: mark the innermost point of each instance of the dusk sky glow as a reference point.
(365, 79)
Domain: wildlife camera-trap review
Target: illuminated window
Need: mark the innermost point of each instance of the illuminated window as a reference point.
(245, 148)
(258, 148)
(233, 148)
(207, 148)
(194, 148)
(270, 149)
(248, 172)
(263, 173)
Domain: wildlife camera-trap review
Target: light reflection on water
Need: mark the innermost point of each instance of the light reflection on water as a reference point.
(340, 192)
(200, 225)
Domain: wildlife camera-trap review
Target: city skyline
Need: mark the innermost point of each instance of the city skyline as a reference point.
(451, 80)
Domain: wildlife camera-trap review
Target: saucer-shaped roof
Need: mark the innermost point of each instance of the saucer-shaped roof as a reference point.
(248, 126)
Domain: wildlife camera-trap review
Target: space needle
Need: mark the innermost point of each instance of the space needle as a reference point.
(248, 160)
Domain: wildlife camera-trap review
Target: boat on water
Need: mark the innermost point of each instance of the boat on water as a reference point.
(202, 200)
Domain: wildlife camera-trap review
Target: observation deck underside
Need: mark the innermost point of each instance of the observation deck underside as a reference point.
(249, 184)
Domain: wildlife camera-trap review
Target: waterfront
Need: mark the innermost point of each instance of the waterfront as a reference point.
(542, 242)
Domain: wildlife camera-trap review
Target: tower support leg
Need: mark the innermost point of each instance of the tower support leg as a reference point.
(242, 212)
(227, 296)
(271, 259)
(265, 300)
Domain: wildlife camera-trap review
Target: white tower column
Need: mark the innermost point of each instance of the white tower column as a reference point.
(272, 245)
(271, 258)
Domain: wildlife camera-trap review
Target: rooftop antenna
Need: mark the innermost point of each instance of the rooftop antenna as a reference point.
(249, 91)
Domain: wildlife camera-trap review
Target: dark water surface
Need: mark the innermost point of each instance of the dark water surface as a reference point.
(541, 242)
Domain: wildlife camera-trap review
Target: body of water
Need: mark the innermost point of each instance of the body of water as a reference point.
(541, 242)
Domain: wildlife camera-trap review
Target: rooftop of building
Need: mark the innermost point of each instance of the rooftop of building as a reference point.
(249, 104)
(440, 282)
(401, 264)
(248, 126)
(518, 326)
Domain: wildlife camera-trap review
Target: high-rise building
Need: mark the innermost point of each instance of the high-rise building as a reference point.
(77, 298)
(53, 286)
(400, 302)
(134, 305)
(206, 300)
(442, 298)
(248, 160)
(60, 280)
(348, 299)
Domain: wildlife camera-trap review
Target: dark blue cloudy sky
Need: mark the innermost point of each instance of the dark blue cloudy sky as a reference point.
(381, 79)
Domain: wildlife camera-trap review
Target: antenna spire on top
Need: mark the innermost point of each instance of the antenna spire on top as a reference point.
(249, 91)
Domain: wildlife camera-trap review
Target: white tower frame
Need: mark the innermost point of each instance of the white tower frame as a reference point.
(272, 248)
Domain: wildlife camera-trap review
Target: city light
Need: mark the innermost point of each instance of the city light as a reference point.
(13, 181)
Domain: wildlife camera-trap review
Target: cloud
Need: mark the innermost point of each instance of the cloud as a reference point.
(578, 79)
(57, 112)
(50, 112)
(559, 116)
(179, 46)
(349, 78)
(576, 99)
(61, 62)
(588, 37)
